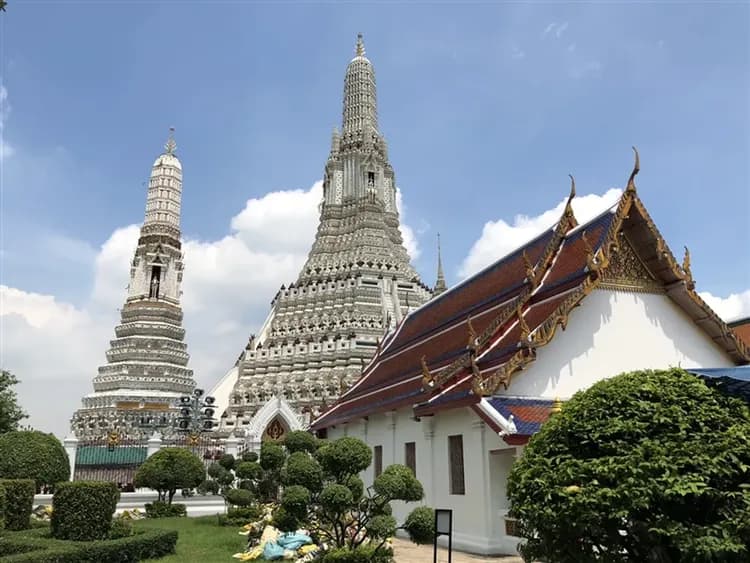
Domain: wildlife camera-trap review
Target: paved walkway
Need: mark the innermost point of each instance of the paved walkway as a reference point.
(406, 552)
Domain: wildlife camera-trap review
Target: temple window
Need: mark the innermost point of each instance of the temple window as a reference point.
(378, 460)
(456, 464)
(410, 456)
(371, 179)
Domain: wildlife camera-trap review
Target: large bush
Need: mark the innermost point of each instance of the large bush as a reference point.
(82, 510)
(161, 509)
(170, 469)
(646, 466)
(30, 454)
(19, 500)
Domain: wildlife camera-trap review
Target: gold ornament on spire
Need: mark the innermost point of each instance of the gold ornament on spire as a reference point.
(360, 46)
(170, 146)
(634, 173)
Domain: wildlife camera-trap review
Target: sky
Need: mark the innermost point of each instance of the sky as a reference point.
(486, 107)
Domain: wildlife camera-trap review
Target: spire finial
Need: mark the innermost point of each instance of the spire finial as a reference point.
(440, 285)
(360, 46)
(170, 146)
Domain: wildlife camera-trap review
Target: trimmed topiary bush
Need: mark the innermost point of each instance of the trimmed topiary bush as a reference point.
(170, 469)
(19, 500)
(82, 510)
(300, 441)
(161, 509)
(420, 525)
(30, 454)
(38, 547)
(239, 497)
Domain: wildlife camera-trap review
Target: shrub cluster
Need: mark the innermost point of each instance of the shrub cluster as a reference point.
(161, 509)
(37, 546)
(82, 510)
(361, 554)
(19, 499)
(2, 507)
(30, 454)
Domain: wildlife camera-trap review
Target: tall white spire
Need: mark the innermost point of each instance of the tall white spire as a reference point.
(164, 198)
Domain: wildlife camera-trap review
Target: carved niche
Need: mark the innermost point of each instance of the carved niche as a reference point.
(626, 271)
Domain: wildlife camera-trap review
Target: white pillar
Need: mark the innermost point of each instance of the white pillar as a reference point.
(154, 444)
(428, 428)
(71, 446)
(390, 418)
(232, 445)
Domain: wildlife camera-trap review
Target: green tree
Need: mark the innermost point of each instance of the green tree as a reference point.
(645, 466)
(10, 412)
(170, 469)
(322, 491)
(30, 454)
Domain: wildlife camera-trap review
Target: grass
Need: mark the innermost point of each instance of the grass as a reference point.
(200, 539)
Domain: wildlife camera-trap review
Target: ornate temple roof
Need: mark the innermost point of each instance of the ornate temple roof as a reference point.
(474, 338)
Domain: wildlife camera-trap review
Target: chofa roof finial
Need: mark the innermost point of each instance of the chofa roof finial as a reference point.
(634, 173)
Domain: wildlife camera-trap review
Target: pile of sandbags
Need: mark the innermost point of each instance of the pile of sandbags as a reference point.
(274, 545)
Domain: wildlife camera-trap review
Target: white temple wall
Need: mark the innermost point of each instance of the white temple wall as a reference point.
(614, 332)
(478, 514)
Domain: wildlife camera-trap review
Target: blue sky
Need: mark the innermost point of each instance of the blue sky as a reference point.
(487, 107)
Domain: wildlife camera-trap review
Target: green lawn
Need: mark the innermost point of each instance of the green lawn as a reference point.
(200, 539)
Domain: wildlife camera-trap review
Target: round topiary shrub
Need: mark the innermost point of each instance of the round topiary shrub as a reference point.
(239, 497)
(83, 510)
(170, 469)
(300, 441)
(420, 525)
(19, 499)
(30, 454)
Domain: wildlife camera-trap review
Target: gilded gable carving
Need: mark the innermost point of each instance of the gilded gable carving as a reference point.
(627, 272)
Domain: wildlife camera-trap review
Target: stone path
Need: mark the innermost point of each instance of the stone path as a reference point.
(407, 552)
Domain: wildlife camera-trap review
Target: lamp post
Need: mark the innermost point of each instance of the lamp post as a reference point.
(196, 415)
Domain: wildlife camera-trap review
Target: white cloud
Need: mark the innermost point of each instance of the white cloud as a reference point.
(500, 238)
(55, 347)
(557, 28)
(6, 150)
(732, 308)
(407, 233)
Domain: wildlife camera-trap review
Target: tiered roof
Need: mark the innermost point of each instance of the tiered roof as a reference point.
(471, 340)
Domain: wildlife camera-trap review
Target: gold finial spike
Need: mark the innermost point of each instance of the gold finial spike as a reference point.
(634, 173)
(171, 146)
(360, 46)
(426, 375)
(556, 406)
